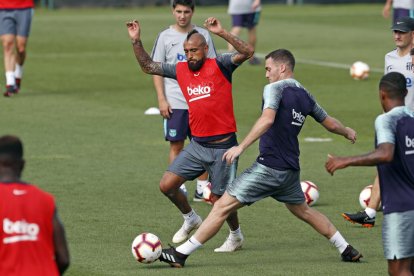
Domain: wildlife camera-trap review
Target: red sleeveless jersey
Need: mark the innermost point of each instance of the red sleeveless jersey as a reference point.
(209, 97)
(26, 235)
(16, 4)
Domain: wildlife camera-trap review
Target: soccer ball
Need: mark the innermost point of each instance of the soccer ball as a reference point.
(146, 248)
(311, 192)
(207, 193)
(359, 70)
(365, 196)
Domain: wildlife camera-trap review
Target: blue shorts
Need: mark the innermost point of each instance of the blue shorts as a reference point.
(259, 181)
(16, 22)
(194, 159)
(398, 235)
(177, 128)
(248, 20)
(398, 13)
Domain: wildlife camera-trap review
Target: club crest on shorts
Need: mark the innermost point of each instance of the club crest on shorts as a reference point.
(172, 132)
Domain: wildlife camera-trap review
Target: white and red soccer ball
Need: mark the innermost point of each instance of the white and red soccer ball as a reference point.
(310, 191)
(146, 248)
(359, 70)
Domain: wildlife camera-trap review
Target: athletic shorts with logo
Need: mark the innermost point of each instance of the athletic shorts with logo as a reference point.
(177, 128)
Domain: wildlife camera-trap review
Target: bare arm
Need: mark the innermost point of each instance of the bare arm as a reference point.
(386, 9)
(144, 60)
(335, 126)
(61, 247)
(163, 105)
(244, 49)
(261, 126)
(382, 154)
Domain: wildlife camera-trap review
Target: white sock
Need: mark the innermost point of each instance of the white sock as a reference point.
(190, 217)
(18, 71)
(10, 80)
(189, 246)
(200, 185)
(371, 212)
(236, 234)
(339, 242)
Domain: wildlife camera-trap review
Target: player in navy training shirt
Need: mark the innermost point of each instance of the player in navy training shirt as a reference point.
(394, 157)
(276, 172)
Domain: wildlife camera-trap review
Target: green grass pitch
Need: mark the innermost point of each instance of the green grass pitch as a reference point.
(81, 116)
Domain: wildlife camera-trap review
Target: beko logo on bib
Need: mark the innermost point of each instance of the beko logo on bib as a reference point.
(199, 92)
(20, 230)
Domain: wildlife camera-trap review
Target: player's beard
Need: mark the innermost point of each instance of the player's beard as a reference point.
(195, 66)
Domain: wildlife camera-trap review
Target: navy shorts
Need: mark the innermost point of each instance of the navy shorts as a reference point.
(248, 20)
(16, 22)
(398, 13)
(177, 128)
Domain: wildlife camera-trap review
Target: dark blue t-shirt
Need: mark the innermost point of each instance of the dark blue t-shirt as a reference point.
(279, 146)
(397, 177)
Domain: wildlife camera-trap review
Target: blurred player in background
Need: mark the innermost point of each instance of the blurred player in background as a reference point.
(394, 158)
(32, 237)
(245, 14)
(207, 87)
(168, 48)
(400, 8)
(15, 21)
(276, 172)
(398, 60)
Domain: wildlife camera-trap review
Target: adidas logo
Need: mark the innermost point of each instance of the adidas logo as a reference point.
(168, 257)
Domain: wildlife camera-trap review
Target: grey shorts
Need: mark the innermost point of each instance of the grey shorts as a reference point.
(16, 22)
(398, 235)
(259, 181)
(194, 159)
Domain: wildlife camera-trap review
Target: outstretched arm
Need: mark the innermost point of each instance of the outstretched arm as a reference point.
(382, 154)
(61, 247)
(244, 49)
(335, 126)
(144, 60)
(261, 126)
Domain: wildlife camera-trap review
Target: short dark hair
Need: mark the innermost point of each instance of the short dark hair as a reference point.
(187, 3)
(284, 56)
(11, 147)
(394, 84)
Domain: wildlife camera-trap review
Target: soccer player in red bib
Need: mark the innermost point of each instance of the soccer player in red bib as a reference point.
(32, 238)
(206, 86)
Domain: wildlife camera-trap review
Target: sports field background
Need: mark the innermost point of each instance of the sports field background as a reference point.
(81, 116)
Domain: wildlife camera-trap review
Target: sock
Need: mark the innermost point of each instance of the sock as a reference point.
(10, 80)
(190, 217)
(18, 71)
(339, 242)
(370, 212)
(200, 185)
(189, 246)
(236, 234)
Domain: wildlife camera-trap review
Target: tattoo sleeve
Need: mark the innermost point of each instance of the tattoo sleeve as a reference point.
(145, 61)
(244, 49)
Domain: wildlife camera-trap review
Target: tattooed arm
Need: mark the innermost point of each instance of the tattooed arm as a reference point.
(244, 49)
(144, 60)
